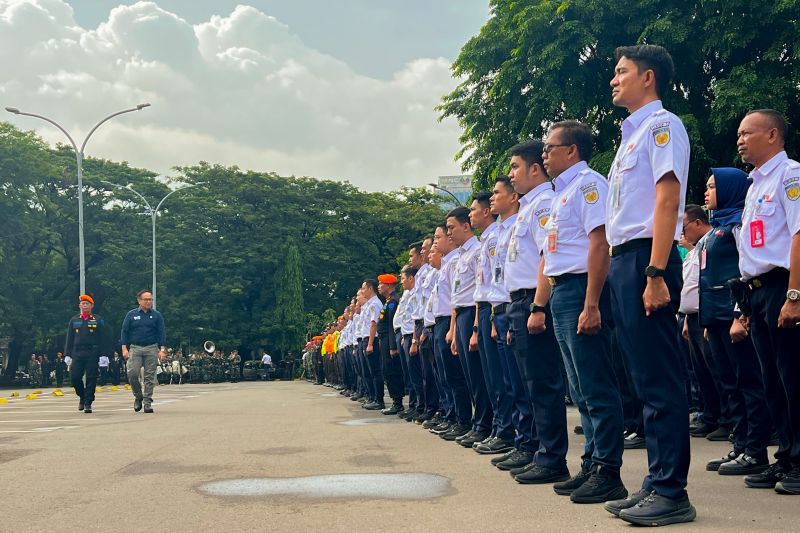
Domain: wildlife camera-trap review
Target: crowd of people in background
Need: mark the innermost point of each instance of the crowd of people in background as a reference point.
(560, 282)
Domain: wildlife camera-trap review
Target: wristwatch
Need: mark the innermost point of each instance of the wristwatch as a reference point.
(654, 272)
(475, 329)
(414, 341)
(538, 308)
(793, 295)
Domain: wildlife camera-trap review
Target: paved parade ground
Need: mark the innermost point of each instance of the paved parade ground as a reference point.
(183, 469)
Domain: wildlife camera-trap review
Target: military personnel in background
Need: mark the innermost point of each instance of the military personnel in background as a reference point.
(60, 368)
(233, 366)
(34, 371)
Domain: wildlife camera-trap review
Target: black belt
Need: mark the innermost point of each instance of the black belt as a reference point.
(407, 335)
(419, 322)
(499, 309)
(396, 331)
(521, 293)
(632, 244)
(483, 305)
(439, 319)
(776, 274)
(460, 310)
(563, 278)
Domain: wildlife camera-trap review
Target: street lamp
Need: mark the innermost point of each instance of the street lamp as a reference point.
(79, 158)
(153, 214)
(458, 202)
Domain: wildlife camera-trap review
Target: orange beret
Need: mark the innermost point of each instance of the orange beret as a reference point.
(388, 279)
(86, 298)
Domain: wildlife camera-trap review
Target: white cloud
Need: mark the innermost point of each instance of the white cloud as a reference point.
(238, 89)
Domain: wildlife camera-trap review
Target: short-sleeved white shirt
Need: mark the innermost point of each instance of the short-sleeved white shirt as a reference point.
(483, 272)
(423, 284)
(464, 274)
(427, 302)
(498, 293)
(578, 208)
(690, 292)
(441, 296)
(527, 238)
(654, 142)
(772, 208)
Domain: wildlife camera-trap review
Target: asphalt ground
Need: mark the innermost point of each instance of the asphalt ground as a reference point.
(188, 466)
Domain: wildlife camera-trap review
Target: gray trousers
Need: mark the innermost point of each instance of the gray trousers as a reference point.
(143, 357)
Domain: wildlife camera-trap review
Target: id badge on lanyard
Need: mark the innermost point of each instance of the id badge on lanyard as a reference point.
(552, 238)
(756, 233)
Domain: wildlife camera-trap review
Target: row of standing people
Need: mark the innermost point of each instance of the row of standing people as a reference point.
(575, 260)
(41, 371)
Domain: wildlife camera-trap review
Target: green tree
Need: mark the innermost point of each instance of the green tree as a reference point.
(536, 62)
(286, 326)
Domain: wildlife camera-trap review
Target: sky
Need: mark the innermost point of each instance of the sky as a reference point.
(334, 89)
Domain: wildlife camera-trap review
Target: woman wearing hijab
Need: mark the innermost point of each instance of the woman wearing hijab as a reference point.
(739, 376)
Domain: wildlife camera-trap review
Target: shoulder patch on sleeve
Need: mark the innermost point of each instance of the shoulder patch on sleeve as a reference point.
(792, 188)
(661, 133)
(590, 193)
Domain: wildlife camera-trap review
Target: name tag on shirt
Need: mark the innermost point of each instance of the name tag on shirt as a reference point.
(757, 234)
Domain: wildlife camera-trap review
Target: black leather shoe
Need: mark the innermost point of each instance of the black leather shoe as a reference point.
(657, 510)
(355, 397)
(374, 406)
(634, 441)
(80, 405)
(432, 422)
(405, 413)
(148, 408)
(768, 478)
(393, 410)
(713, 465)
(603, 485)
(701, 430)
(539, 475)
(467, 442)
(517, 459)
(466, 435)
(422, 418)
(444, 427)
(719, 435)
(565, 488)
(617, 506)
(790, 484)
(456, 430)
(137, 404)
(496, 445)
(520, 469)
(87, 408)
(499, 459)
(743, 465)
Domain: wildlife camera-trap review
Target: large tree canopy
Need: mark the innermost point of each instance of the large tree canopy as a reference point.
(540, 61)
(246, 259)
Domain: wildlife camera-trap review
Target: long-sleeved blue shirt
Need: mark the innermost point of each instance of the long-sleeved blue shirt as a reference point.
(143, 328)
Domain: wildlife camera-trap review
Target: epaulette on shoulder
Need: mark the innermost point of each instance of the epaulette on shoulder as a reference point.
(794, 165)
(659, 112)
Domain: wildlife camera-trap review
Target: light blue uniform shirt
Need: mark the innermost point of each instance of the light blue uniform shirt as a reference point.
(527, 238)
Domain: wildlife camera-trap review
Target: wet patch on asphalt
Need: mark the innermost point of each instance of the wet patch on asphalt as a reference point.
(416, 486)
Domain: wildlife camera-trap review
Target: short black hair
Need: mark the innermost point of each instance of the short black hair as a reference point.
(505, 180)
(417, 246)
(139, 294)
(776, 120)
(442, 225)
(409, 271)
(483, 198)
(650, 57)
(531, 152)
(577, 133)
(461, 214)
(695, 212)
(372, 284)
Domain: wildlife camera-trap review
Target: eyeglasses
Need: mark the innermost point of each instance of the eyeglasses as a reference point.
(683, 228)
(549, 147)
(146, 299)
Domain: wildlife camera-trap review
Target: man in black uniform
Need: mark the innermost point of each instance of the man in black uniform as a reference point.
(86, 340)
(387, 341)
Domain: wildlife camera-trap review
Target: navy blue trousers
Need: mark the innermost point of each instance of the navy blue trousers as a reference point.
(650, 347)
(416, 397)
(590, 371)
(426, 361)
(453, 378)
(473, 370)
(539, 360)
(521, 409)
(499, 392)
